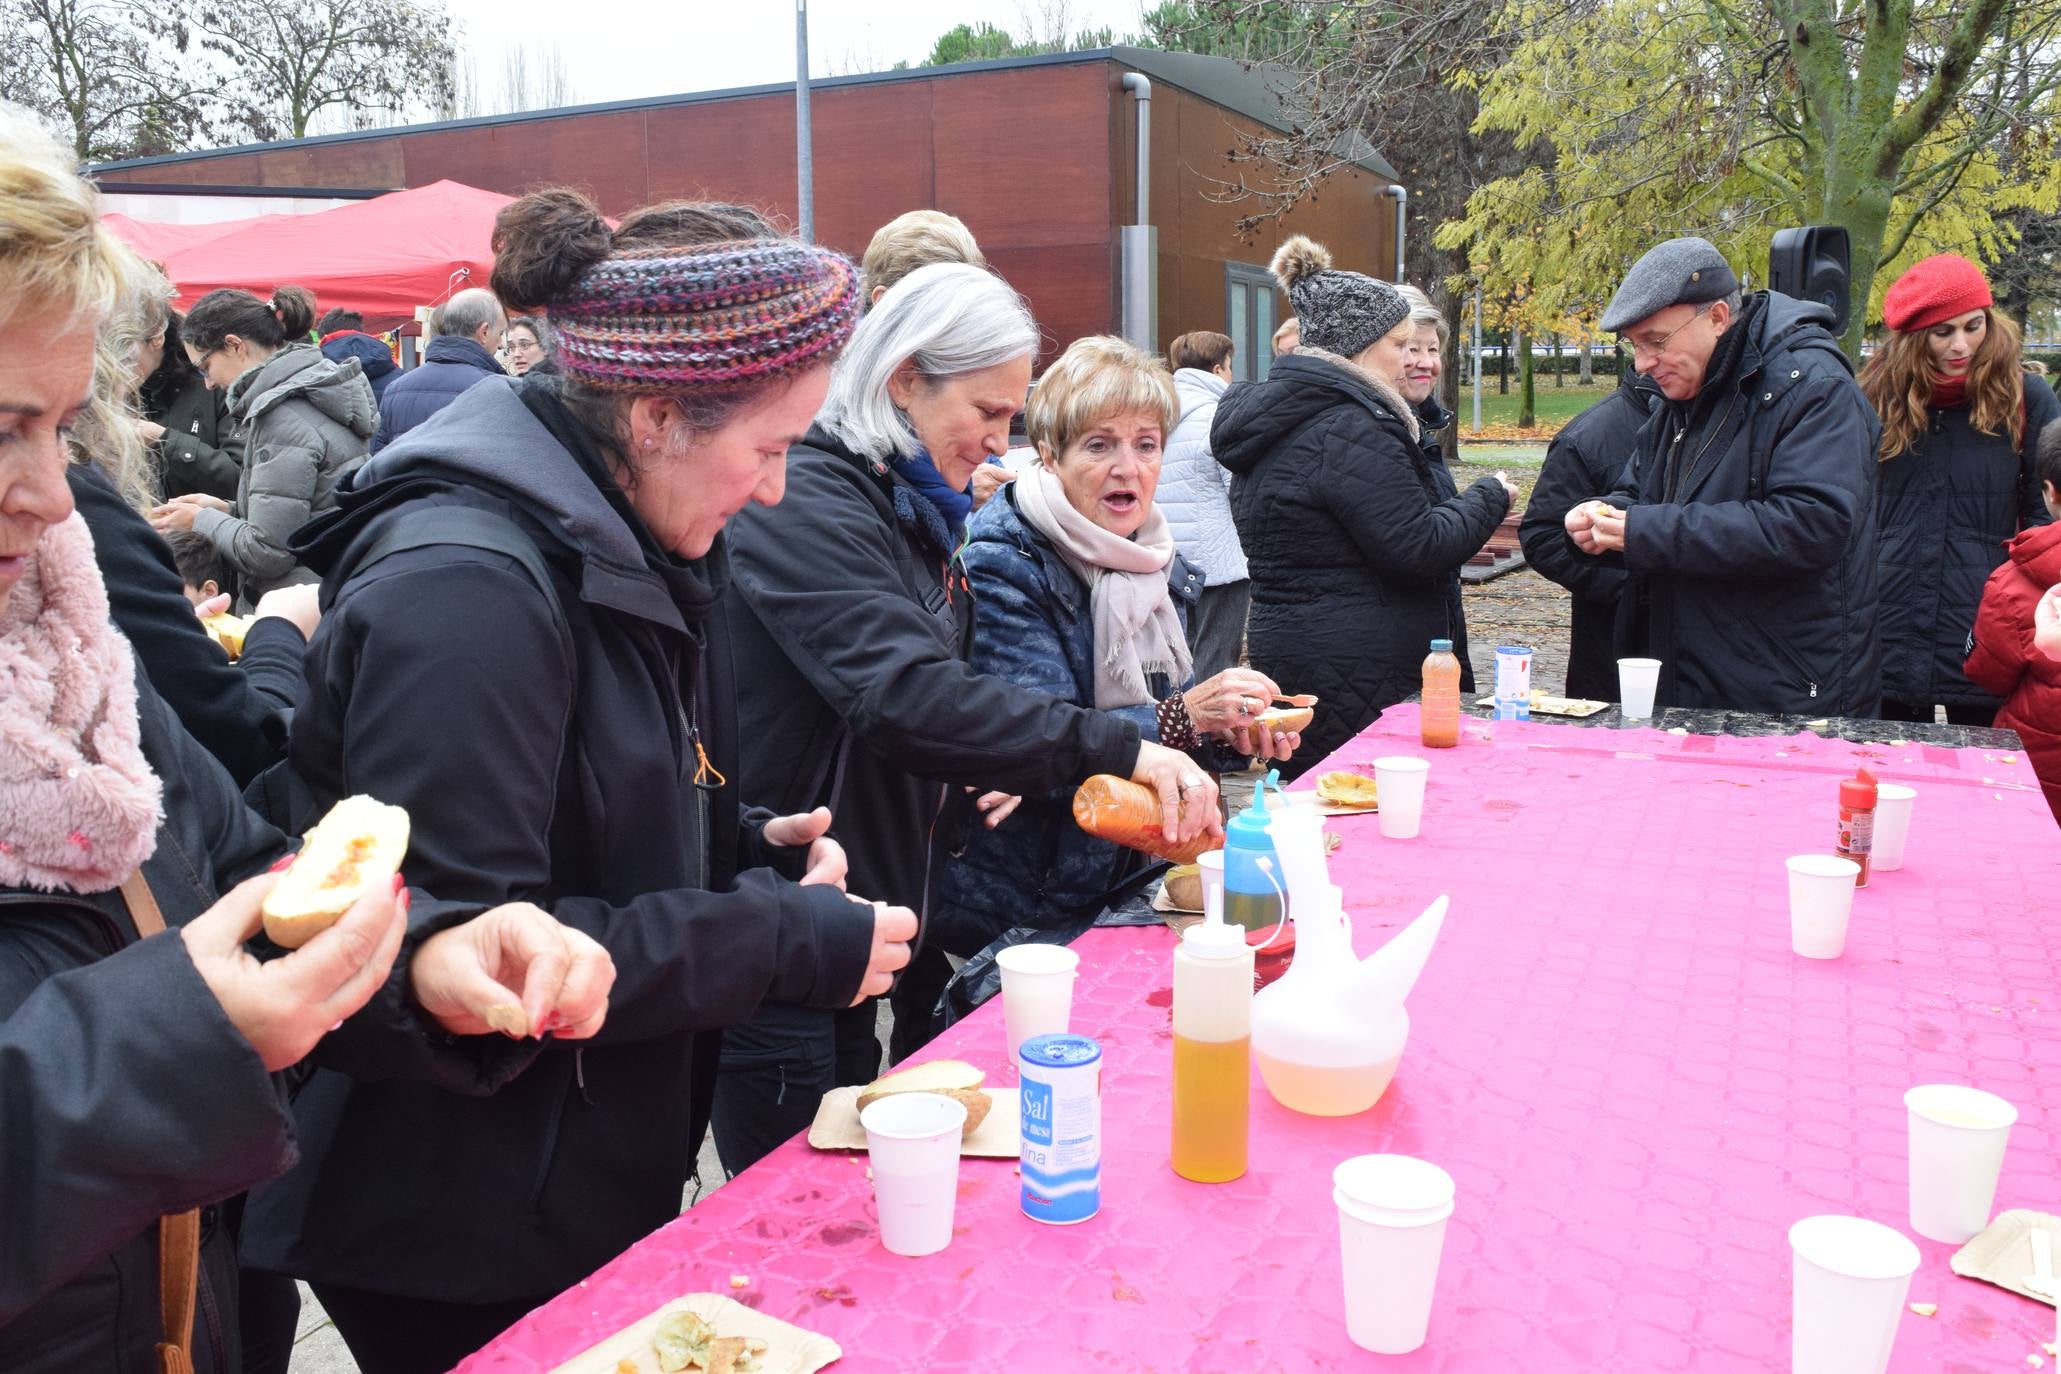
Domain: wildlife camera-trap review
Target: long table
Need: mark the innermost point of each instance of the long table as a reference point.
(1635, 1083)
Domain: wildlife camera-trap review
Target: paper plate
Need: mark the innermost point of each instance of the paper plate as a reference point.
(837, 1127)
(789, 1349)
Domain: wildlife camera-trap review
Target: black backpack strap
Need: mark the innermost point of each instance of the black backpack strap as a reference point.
(278, 793)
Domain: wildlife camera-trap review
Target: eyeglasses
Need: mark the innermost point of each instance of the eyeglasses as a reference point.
(1635, 349)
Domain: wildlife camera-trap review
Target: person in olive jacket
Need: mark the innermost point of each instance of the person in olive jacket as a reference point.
(1960, 419)
(185, 421)
(544, 694)
(1354, 534)
(1588, 455)
(1748, 524)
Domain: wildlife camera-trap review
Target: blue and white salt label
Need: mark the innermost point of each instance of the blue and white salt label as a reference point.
(1062, 1128)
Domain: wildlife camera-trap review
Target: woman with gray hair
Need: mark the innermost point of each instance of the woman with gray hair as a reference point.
(1423, 365)
(851, 623)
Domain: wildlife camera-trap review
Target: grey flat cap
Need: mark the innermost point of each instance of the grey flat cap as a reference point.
(1678, 272)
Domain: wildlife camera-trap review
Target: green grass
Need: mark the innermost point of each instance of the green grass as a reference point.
(1556, 404)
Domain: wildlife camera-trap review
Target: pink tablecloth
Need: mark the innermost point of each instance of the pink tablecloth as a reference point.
(1635, 1083)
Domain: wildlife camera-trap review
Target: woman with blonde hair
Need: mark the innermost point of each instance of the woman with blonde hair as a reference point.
(225, 706)
(1960, 418)
(143, 1044)
(919, 238)
(1084, 597)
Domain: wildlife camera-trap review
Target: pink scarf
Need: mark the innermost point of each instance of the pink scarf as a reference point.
(79, 805)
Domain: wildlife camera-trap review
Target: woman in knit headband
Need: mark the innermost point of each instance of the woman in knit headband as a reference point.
(517, 650)
(1960, 421)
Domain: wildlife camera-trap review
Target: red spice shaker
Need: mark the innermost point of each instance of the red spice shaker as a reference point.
(1857, 820)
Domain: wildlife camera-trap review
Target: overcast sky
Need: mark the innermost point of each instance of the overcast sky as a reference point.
(624, 49)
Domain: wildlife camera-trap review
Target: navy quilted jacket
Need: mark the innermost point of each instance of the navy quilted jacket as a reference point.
(450, 368)
(1034, 629)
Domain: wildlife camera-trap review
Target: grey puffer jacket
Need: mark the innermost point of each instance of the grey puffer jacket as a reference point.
(305, 421)
(1195, 489)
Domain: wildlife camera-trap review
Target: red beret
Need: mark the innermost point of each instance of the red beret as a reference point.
(1933, 291)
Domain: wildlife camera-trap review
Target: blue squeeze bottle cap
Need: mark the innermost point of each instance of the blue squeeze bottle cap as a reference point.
(1441, 646)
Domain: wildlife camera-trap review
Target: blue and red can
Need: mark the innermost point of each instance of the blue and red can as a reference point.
(1062, 1128)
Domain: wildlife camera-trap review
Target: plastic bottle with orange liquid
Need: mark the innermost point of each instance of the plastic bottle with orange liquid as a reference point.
(1438, 709)
(1212, 1049)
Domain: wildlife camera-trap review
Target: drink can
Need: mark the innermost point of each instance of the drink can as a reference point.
(1062, 1127)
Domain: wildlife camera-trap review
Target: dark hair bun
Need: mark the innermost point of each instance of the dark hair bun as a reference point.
(295, 307)
(543, 243)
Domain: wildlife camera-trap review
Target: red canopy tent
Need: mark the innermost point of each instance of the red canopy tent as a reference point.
(381, 257)
(157, 241)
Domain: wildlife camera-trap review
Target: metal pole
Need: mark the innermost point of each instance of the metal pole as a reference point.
(804, 140)
(1477, 357)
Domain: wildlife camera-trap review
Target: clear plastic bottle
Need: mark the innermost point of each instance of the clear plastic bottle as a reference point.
(1438, 711)
(1212, 1051)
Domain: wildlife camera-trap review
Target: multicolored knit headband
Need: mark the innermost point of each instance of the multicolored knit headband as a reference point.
(662, 320)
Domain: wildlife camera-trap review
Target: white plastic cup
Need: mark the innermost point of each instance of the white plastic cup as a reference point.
(1893, 802)
(1852, 1277)
(1392, 1213)
(1957, 1150)
(1211, 867)
(912, 1143)
(1820, 901)
(1037, 991)
(1399, 782)
(1637, 680)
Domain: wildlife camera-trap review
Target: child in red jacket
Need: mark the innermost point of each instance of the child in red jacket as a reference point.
(2004, 658)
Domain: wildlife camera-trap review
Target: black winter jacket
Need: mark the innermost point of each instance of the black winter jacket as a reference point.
(201, 449)
(1947, 507)
(851, 637)
(1355, 536)
(440, 681)
(1587, 458)
(450, 368)
(235, 710)
(126, 1093)
(1750, 537)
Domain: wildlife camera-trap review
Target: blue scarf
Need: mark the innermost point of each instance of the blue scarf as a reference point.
(922, 474)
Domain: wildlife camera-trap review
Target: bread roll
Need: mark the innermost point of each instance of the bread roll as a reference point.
(953, 1078)
(1287, 719)
(355, 849)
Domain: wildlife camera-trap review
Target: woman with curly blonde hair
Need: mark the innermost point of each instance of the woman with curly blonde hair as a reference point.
(1960, 419)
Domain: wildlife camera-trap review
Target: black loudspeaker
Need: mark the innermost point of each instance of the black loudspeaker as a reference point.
(1813, 265)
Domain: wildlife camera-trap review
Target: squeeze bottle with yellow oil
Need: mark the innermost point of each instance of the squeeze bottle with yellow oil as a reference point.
(1212, 1048)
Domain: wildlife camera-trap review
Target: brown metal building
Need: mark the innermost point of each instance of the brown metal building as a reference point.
(1039, 156)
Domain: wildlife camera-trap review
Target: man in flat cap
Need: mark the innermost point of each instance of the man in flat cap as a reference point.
(1746, 519)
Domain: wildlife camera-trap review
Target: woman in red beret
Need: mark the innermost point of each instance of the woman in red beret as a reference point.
(1960, 419)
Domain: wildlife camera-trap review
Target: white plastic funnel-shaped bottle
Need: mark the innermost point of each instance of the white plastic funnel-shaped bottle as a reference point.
(1388, 974)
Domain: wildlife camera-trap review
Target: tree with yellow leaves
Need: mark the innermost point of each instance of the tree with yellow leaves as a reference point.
(1919, 126)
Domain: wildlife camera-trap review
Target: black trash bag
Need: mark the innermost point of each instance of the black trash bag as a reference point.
(979, 978)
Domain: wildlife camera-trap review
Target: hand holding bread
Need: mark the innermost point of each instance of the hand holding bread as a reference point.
(282, 1007)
